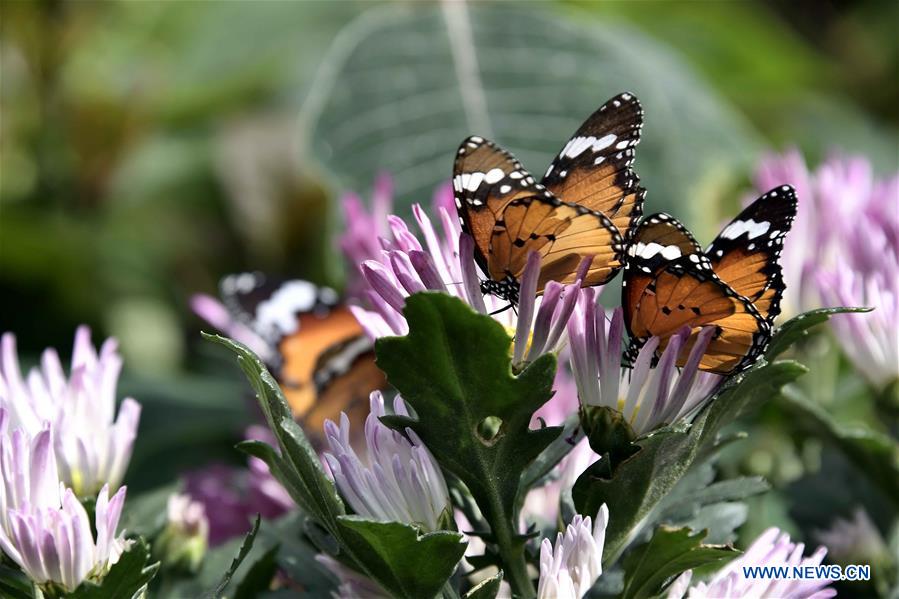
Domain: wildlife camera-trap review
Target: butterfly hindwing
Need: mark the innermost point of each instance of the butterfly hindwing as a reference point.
(593, 169)
(318, 351)
(745, 255)
(669, 283)
(563, 234)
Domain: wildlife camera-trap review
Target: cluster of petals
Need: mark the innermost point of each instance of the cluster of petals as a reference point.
(93, 446)
(648, 396)
(572, 565)
(849, 216)
(43, 526)
(396, 479)
(772, 548)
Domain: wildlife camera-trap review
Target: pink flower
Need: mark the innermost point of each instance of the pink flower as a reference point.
(92, 445)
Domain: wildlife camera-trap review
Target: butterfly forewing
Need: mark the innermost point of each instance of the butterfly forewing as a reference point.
(669, 283)
(485, 179)
(562, 234)
(745, 254)
(593, 169)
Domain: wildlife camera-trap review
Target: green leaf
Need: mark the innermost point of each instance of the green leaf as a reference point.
(454, 369)
(14, 584)
(552, 455)
(875, 454)
(298, 467)
(403, 85)
(634, 487)
(242, 553)
(798, 327)
(486, 589)
(127, 577)
(670, 552)
(409, 563)
(259, 577)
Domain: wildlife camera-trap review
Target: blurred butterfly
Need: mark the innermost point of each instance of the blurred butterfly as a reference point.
(585, 206)
(316, 348)
(735, 285)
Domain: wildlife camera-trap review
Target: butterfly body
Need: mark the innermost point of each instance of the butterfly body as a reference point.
(581, 210)
(735, 285)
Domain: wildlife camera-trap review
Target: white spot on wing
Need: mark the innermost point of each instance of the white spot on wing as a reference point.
(752, 228)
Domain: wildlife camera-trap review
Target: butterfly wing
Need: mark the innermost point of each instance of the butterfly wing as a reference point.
(486, 179)
(745, 255)
(594, 168)
(327, 367)
(562, 234)
(319, 352)
(670, 283)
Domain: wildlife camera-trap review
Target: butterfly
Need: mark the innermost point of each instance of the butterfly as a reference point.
(316, 348)
(735, 285)
(584, 207)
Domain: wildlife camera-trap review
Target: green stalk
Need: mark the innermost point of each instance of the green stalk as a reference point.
(511, 552)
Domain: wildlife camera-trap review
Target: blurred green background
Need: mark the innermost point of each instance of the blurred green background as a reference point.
(147, 149)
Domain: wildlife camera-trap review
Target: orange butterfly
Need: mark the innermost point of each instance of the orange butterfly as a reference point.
(318, 352)
(735, 285)
(584, 207)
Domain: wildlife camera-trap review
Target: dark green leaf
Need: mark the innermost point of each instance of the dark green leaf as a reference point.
(454, 369)
(298, 467)
(797, 328)
(242, 553)
(486, 589)
(259, 577)
(670, 552)
(14, 584)
(875, 454)
(409, 563)
(636, 485)
(126, 579)
(552, 455)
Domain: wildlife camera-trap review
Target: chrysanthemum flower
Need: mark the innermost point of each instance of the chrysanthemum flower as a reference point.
(397, 481)
(351, 584)
(855, 540)
(850, 218)
(445, 263)
(92, 446)
(648, 396)
(771, 548)
(182, 543)
(571, 566)
(43, 526)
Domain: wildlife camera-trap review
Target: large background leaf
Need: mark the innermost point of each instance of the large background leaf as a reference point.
(402, 86)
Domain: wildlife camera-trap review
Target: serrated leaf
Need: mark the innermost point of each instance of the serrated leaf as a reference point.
(635, 486)
(875, 454)
(486, 589)
(454, 369)
(670, 552)
(410, 563)
(242, 553)
(127, 577)
(798, 327)
(403, 85)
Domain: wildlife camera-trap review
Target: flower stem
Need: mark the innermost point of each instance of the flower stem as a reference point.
(511, 551)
